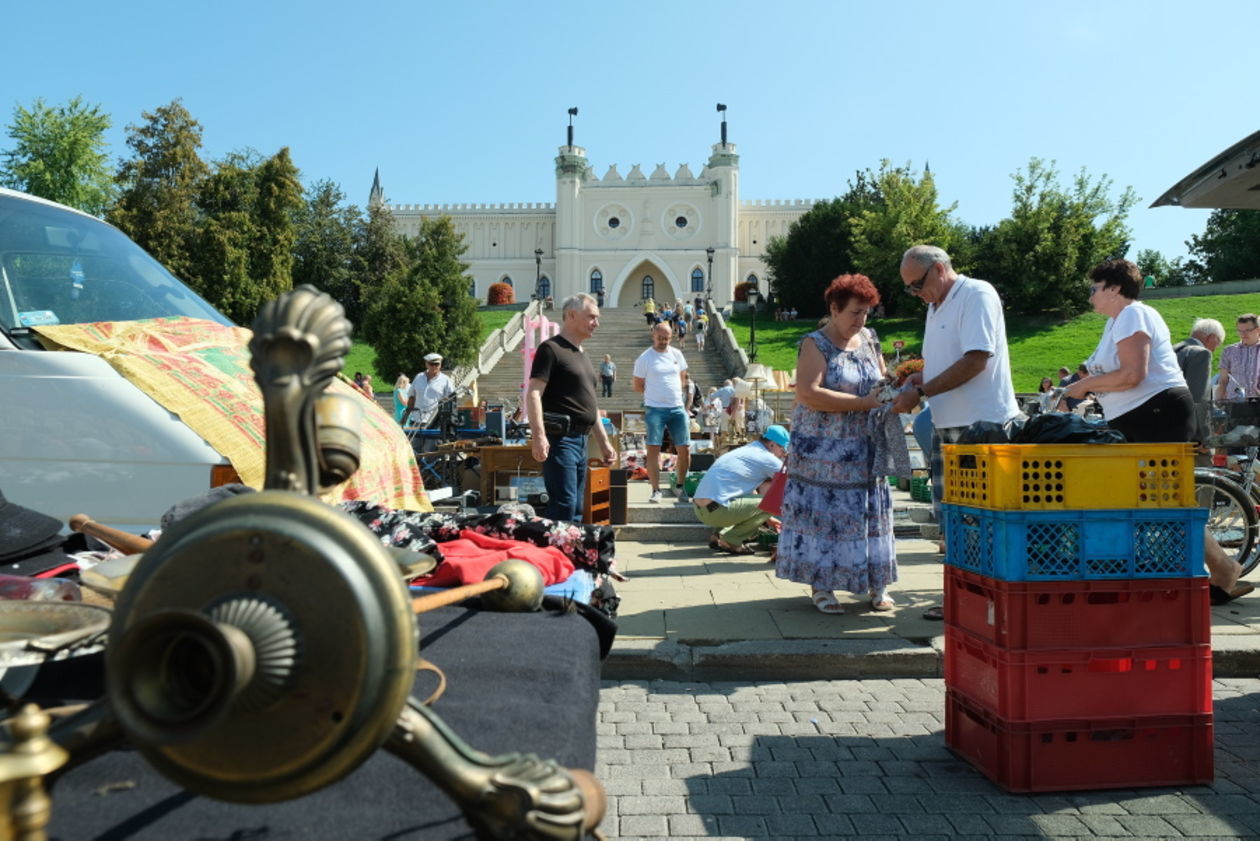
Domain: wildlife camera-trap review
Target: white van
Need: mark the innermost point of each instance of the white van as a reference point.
(77, 436)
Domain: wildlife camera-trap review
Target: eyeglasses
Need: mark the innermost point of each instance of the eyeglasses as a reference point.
(1243, 331)
(917, 287)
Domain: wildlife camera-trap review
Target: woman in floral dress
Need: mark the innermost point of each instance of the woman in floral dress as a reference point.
(837, 513)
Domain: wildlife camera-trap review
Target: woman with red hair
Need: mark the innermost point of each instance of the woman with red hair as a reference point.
(837, 510)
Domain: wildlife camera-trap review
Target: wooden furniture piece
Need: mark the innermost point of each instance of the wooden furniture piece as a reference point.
(597, 504)
(498, 464)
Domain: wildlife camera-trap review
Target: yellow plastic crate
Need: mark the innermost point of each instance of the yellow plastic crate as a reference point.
(1009, 477)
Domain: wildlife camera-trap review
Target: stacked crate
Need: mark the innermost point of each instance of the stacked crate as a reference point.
(1077, 636)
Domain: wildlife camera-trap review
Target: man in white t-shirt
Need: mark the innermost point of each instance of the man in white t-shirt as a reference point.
(966, 363)
(660, 375)
(428, 390)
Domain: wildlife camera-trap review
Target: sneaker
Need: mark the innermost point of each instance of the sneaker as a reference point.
(683, 499)
(655, 497)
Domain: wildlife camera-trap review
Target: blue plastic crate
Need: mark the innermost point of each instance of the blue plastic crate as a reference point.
(1076, 545)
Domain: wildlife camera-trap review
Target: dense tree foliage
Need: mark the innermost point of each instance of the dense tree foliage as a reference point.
(59, 154)
(1038, 256)
(906, 214)
(1166, 272)
(1228, 248)
(379, 256)
(817, 248)
(323, 254)
(160, 182)
(426, 308)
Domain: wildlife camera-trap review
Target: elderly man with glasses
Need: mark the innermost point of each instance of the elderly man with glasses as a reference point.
(966, 364)
(1240, 363)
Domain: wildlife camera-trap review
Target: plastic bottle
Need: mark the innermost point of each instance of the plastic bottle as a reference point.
(19, 587)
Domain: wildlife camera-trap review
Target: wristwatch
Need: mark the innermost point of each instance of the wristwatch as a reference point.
(922, 393)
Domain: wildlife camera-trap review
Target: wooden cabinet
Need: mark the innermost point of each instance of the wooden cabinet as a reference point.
(597, 506)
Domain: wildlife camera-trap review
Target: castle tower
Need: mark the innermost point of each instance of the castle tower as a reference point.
(571, 170)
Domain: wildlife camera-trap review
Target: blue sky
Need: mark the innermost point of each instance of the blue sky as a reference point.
(467, 101)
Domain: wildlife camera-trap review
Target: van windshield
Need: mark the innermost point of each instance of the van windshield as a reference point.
(61, 267)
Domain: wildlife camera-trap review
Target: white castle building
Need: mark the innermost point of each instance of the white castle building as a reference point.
(633, 236)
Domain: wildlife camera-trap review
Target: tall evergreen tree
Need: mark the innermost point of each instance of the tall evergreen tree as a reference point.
(323, 254)
(227, 230)
(427, 308)
(156, 207)
(279, 197)
(59, 154)
(379, 255)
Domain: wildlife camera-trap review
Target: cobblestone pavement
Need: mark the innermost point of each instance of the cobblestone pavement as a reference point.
(867, 758)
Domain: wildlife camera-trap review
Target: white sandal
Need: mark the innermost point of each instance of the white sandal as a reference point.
(826, 602)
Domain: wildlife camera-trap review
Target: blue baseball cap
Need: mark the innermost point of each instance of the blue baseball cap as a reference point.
(778, 435)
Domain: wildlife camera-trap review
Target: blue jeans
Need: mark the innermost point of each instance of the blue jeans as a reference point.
(656, 418)
(564, 474)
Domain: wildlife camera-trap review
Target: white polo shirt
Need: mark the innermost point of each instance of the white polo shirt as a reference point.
(970, 318)
(662, 385)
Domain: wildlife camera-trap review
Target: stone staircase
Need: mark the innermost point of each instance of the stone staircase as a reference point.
(623, 334)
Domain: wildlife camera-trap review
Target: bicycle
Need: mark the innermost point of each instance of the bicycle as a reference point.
(1233, 496)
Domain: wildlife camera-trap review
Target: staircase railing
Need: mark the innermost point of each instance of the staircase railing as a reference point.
(501, 341)
(722, 338)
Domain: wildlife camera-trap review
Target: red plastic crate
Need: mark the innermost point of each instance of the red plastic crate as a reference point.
(1041, 615)
(1071, 755)
(1018, 685)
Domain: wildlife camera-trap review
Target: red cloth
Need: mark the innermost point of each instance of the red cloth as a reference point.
(468, 559)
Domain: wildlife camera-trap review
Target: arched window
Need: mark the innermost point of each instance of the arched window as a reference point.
(508, 280)
(544, 287)
(752, 278)
(597, 281)
(472, 288)
(697, 280)
(649, 287)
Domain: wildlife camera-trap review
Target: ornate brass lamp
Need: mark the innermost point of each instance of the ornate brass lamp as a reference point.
(221, 670)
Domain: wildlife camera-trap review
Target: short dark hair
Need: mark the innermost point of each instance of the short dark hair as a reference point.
(849, 286)
(1121, 274)
(1248, 317)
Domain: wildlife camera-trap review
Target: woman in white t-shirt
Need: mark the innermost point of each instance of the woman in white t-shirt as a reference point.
(1134, 371)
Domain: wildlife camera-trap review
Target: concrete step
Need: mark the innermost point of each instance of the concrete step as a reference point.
(665, 511)
(675, 533)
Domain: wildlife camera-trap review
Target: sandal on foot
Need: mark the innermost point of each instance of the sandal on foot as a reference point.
(826, 602)
(722, 546)
(713, 542)
(884, 604)
(936, 614)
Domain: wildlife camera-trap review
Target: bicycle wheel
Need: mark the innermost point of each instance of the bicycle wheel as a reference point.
(1232, 517)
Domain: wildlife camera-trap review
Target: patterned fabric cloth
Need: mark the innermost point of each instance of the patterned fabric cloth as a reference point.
(837, 510)
(199, 370)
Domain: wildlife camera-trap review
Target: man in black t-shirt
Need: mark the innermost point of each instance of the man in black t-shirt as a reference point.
(562, 410)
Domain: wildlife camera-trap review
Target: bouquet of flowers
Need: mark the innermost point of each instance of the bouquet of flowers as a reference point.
(903, 371)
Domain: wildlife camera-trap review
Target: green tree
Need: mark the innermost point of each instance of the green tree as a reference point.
(1228, 248)
(279, 197)
(907, 214)
(59, 154)
(1038, 256)
(160, 182)
(323, 254)
(379, 256)
(817, 248)
(426, 308)
(1166, 272)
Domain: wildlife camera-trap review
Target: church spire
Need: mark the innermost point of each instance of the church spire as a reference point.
(377, 195)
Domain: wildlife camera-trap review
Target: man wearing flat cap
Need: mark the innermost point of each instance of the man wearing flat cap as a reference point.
(428, 389)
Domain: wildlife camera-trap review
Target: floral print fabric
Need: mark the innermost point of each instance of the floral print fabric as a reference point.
(837, 509)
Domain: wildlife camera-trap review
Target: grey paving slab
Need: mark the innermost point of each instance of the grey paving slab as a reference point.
(688, 612)
(878, 784)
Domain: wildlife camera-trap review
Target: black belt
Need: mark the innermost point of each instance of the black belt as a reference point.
(711, 506)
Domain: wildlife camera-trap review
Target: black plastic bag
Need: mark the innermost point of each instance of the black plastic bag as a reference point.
(1066, 428)
(991, 432)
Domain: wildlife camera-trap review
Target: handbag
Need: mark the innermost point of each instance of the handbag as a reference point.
(772, 502)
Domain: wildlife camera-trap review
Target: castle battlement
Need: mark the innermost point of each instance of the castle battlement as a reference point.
(466, 207)
(769, 204)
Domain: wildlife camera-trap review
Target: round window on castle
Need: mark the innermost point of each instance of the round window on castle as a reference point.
(681, 222)
(614, 222)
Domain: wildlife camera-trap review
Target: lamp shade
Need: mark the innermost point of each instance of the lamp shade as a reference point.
(759, 373)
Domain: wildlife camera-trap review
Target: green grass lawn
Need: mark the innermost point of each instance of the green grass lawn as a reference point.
(363, 358)
(1038, 345)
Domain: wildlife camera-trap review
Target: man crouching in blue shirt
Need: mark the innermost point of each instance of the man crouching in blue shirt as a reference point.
(723, 499)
